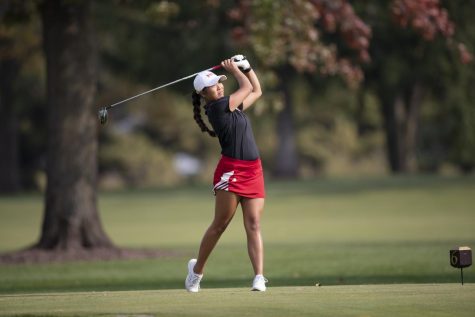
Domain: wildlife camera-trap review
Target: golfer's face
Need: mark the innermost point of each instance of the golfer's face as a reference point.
(214, 92)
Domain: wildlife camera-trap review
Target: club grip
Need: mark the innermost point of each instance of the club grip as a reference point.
(216, 67)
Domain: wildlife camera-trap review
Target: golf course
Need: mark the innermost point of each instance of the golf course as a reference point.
(333, 247)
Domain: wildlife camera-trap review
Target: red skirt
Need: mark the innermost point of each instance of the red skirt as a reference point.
(245, 178)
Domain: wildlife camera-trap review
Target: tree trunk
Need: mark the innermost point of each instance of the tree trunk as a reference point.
(401, 118)
(71, 219)
(9, 167)
(286, 161)
(414, 103)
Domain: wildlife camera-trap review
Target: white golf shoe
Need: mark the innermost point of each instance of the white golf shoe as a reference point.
(259, 283)
(192, 282)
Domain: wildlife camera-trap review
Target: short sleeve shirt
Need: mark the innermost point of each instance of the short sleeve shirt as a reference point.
(233, 129)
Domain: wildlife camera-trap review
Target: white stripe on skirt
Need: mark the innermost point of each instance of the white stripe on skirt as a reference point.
(224, 182)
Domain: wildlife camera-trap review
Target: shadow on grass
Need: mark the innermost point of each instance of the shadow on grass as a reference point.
(357, 185)
(340, 280)
(240, 282)
(324, 186)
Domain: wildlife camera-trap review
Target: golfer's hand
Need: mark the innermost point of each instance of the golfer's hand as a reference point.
(230, 66)
(242, 63)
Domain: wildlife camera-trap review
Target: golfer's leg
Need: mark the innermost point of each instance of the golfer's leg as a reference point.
(252, 210)
(226, 204)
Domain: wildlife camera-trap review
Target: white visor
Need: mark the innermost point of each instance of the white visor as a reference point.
(207, 79)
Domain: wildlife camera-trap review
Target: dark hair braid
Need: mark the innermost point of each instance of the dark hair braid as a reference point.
(197, 114)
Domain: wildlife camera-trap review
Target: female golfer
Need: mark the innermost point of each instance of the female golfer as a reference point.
(238, 178)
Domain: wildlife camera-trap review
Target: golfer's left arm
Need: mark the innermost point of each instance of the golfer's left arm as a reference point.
(256, 90)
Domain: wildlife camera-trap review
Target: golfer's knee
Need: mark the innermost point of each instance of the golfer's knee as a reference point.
(253, 224)
(218, 228)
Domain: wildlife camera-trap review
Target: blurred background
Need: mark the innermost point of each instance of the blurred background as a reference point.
(366, 130)
(350, 88)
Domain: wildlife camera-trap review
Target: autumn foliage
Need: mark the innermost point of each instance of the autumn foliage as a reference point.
(424, 16)
(291, 32)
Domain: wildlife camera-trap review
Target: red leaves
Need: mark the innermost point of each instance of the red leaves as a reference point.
(289, 32)
(426, 17)
(339, 17)
(465, 56)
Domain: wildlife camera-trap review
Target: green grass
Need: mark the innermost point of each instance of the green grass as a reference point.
(339, 232)
(369, 300)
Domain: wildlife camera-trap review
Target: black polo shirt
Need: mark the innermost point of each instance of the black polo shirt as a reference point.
(233, 129)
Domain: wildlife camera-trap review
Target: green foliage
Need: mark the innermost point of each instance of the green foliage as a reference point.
(462, 124)
(23, 72)
(448, 127)
(172, 40)
(162, 12)
(267, 31)
(460, 96)
(143, 44)
(146, 49)
(140, 162)
(402, 58)
(328, 137)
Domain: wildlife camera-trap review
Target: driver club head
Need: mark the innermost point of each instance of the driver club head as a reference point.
(103, 115)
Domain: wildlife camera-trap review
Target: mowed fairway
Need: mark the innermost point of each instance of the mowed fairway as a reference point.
(377, 246)
(368, 300)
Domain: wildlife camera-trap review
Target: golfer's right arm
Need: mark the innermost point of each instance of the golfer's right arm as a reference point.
(256, 90)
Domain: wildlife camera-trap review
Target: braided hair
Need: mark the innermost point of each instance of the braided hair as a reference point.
(197, 114)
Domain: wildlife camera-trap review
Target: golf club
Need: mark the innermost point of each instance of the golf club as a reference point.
(103, 111)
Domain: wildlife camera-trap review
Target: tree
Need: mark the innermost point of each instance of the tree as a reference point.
(71, 219)
(9, 162)
(408, 54)
(15, 48)
(454, 125)
(287, 37)
(146, 44)
(328, 37)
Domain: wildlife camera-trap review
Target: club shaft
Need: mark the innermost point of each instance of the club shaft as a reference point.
(160, 87)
